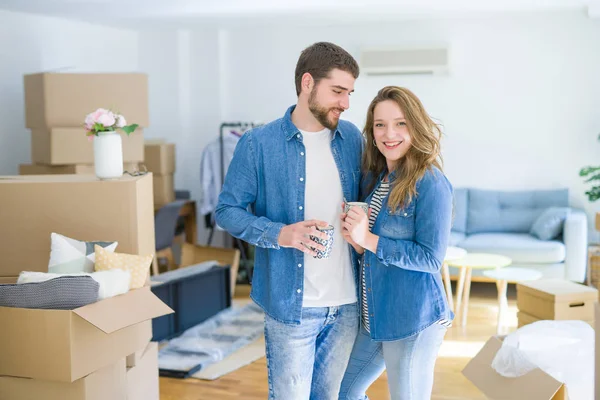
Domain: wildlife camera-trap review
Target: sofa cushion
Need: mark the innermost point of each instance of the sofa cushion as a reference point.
(456, 238)
(459, 211)
(520, 247)
(513, 212)
(549, 225)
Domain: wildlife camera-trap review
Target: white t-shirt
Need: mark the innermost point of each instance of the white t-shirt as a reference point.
(327, 282)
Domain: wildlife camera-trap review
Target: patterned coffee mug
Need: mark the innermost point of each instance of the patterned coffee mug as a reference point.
(327, 243)
(364, 206)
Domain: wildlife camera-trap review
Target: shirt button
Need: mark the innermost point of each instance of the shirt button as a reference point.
(299, 265)
(299, 291)
(301, 179)
(298, 135)
(405, 214)
(301, 153)
(300, 208)
(369, 289)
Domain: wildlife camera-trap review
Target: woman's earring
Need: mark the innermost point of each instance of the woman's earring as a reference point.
(374, 144)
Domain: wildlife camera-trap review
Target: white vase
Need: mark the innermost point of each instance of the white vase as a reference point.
(108, 155)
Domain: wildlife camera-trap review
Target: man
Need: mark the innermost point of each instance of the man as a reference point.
(295, 173)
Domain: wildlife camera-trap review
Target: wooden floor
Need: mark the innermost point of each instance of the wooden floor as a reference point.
(460, 345)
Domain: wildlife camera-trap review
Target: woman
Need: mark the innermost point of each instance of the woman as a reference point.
(404, 312)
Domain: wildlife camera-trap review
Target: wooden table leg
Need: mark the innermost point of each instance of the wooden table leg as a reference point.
(502, 304)
(459, 290)
(465, 309)
(448, 285)
(190, 222)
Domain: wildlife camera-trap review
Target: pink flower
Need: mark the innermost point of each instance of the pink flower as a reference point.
(121, 122)
(107, 119)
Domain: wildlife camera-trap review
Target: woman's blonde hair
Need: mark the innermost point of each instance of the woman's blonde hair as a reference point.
(423, 153)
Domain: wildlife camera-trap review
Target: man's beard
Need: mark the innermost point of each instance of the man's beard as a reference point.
(321, 113)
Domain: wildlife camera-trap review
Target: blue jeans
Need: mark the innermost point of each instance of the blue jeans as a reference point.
(409, 362)
(308, 361)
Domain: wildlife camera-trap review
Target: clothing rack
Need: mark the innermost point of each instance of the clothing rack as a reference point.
(243, 126)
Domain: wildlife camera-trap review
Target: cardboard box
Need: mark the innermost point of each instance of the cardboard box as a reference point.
(194, 254)
(526, 319)
(66, 146)
(78, 206)
(106, 383)
(597, 355)
(134, 359)
(66, 345)
(64, 99)
(164, 189)
(159, 158)
(535, 385)
(78, 169)
(8, 280)
(142, 380)
(556, 299)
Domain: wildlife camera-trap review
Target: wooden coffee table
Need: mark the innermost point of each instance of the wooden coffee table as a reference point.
(466, 265)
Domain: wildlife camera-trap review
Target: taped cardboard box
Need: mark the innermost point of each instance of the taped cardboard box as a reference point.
(535, 385)
(104, 384)
(64, 99)
(67, 146)
(164, 189)
(526, 319)
(159, 158)
(597, 355)
(78, 169)
(121, 210)
(81, 207)
(142, 380)
(66, 345)
(557, 299)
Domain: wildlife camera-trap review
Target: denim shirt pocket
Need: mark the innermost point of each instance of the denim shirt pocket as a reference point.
(400, 224)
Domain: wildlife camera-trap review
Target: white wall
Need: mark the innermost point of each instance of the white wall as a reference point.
(184, 89)
(520, 107)
(30, 44)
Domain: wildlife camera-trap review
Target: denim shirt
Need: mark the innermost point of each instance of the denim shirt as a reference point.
(405, 293)
(265, 174)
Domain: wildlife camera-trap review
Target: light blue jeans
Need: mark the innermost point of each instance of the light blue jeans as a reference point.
(409, 362)
(307, 361)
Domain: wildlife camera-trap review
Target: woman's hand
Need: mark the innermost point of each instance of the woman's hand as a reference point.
(346, 233)
(355, 225)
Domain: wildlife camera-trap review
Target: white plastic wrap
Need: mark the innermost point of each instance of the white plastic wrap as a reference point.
(562, 349)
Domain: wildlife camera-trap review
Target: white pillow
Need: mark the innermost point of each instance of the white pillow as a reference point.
(71, 256)
(112, 283)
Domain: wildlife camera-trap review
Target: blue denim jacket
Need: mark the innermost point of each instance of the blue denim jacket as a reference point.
(405, 293)
(264, 174)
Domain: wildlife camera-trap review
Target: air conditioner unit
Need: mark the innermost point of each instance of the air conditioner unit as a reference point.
(406, 61)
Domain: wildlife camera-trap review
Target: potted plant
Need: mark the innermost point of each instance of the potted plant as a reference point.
(592, 174)
(102, 126)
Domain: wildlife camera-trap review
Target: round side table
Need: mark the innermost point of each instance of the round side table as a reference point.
(503, 276)
(452, 253)
(466, 264)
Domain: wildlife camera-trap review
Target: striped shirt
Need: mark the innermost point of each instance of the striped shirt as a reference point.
(376, 202)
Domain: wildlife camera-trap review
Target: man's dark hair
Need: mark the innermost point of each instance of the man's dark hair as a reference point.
(320, 58)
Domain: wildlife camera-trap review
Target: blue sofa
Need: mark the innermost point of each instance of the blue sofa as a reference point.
(499, 222)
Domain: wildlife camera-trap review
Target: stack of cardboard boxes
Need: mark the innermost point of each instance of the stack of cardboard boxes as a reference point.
(555, 299)
(56, 105)
(97, 352)
(159, 159)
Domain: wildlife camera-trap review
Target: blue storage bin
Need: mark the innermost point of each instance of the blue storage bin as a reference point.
(195, 293)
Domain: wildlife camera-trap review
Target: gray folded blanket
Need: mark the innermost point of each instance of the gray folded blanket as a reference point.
(63, 293)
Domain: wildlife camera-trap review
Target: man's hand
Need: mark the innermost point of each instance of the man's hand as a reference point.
(297, 236)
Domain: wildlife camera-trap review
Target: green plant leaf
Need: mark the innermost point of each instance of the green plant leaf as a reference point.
(129, 129)
(593, 178)
(594, 193)
(585, 171)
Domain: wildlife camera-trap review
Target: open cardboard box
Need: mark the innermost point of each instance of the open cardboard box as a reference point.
(142, 380)
(66, 345)
(108, 383)
(535, 385)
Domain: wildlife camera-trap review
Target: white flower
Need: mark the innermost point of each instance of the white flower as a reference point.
(121, 122)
